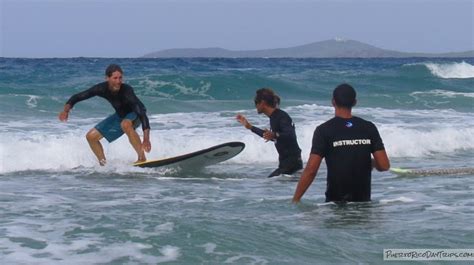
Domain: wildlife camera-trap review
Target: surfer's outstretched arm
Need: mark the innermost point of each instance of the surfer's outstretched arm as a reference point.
(64, 115)
(241, 118)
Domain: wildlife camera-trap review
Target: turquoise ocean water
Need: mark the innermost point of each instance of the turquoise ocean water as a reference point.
(57, 206)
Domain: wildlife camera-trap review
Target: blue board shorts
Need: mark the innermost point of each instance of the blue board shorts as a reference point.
(110, 127)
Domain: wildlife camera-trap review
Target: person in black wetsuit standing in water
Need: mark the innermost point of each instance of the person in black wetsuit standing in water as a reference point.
(282, 132)
(129, 113)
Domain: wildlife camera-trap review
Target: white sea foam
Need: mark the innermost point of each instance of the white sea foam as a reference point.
(404, 142)
(170, 253)
(155, 87)
(53, 249)
(443, 93)
(246, 259)
(406, 133)
(74, 253)
(451, 70)
(399, 199)
(143, 233)
(209, 247)
(32, 101)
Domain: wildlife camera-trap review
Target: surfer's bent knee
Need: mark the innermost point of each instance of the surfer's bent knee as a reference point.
(93, 135)
(127, 125)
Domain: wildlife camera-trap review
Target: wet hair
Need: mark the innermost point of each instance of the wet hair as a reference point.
(112, 68)
(277, 100)
(267, 95)
(344, 96)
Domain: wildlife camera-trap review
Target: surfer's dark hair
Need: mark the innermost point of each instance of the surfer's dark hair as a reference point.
(267, 95)
(344, 95)
(112, 68)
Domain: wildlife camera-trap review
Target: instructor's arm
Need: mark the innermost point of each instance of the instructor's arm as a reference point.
(380, 161)
(307, 177)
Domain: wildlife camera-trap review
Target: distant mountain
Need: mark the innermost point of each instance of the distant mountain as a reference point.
(336, 48)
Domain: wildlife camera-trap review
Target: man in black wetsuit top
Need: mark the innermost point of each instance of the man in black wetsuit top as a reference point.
(282, 132)
(346, 143)
(129, 113)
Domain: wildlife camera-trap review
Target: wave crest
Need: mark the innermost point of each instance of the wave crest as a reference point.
(451, 70)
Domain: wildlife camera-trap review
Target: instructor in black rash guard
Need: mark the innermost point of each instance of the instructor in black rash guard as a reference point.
(346, 143)
(129, 113)
(282, 132)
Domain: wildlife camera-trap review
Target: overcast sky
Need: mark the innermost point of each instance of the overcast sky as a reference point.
(128, 28)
